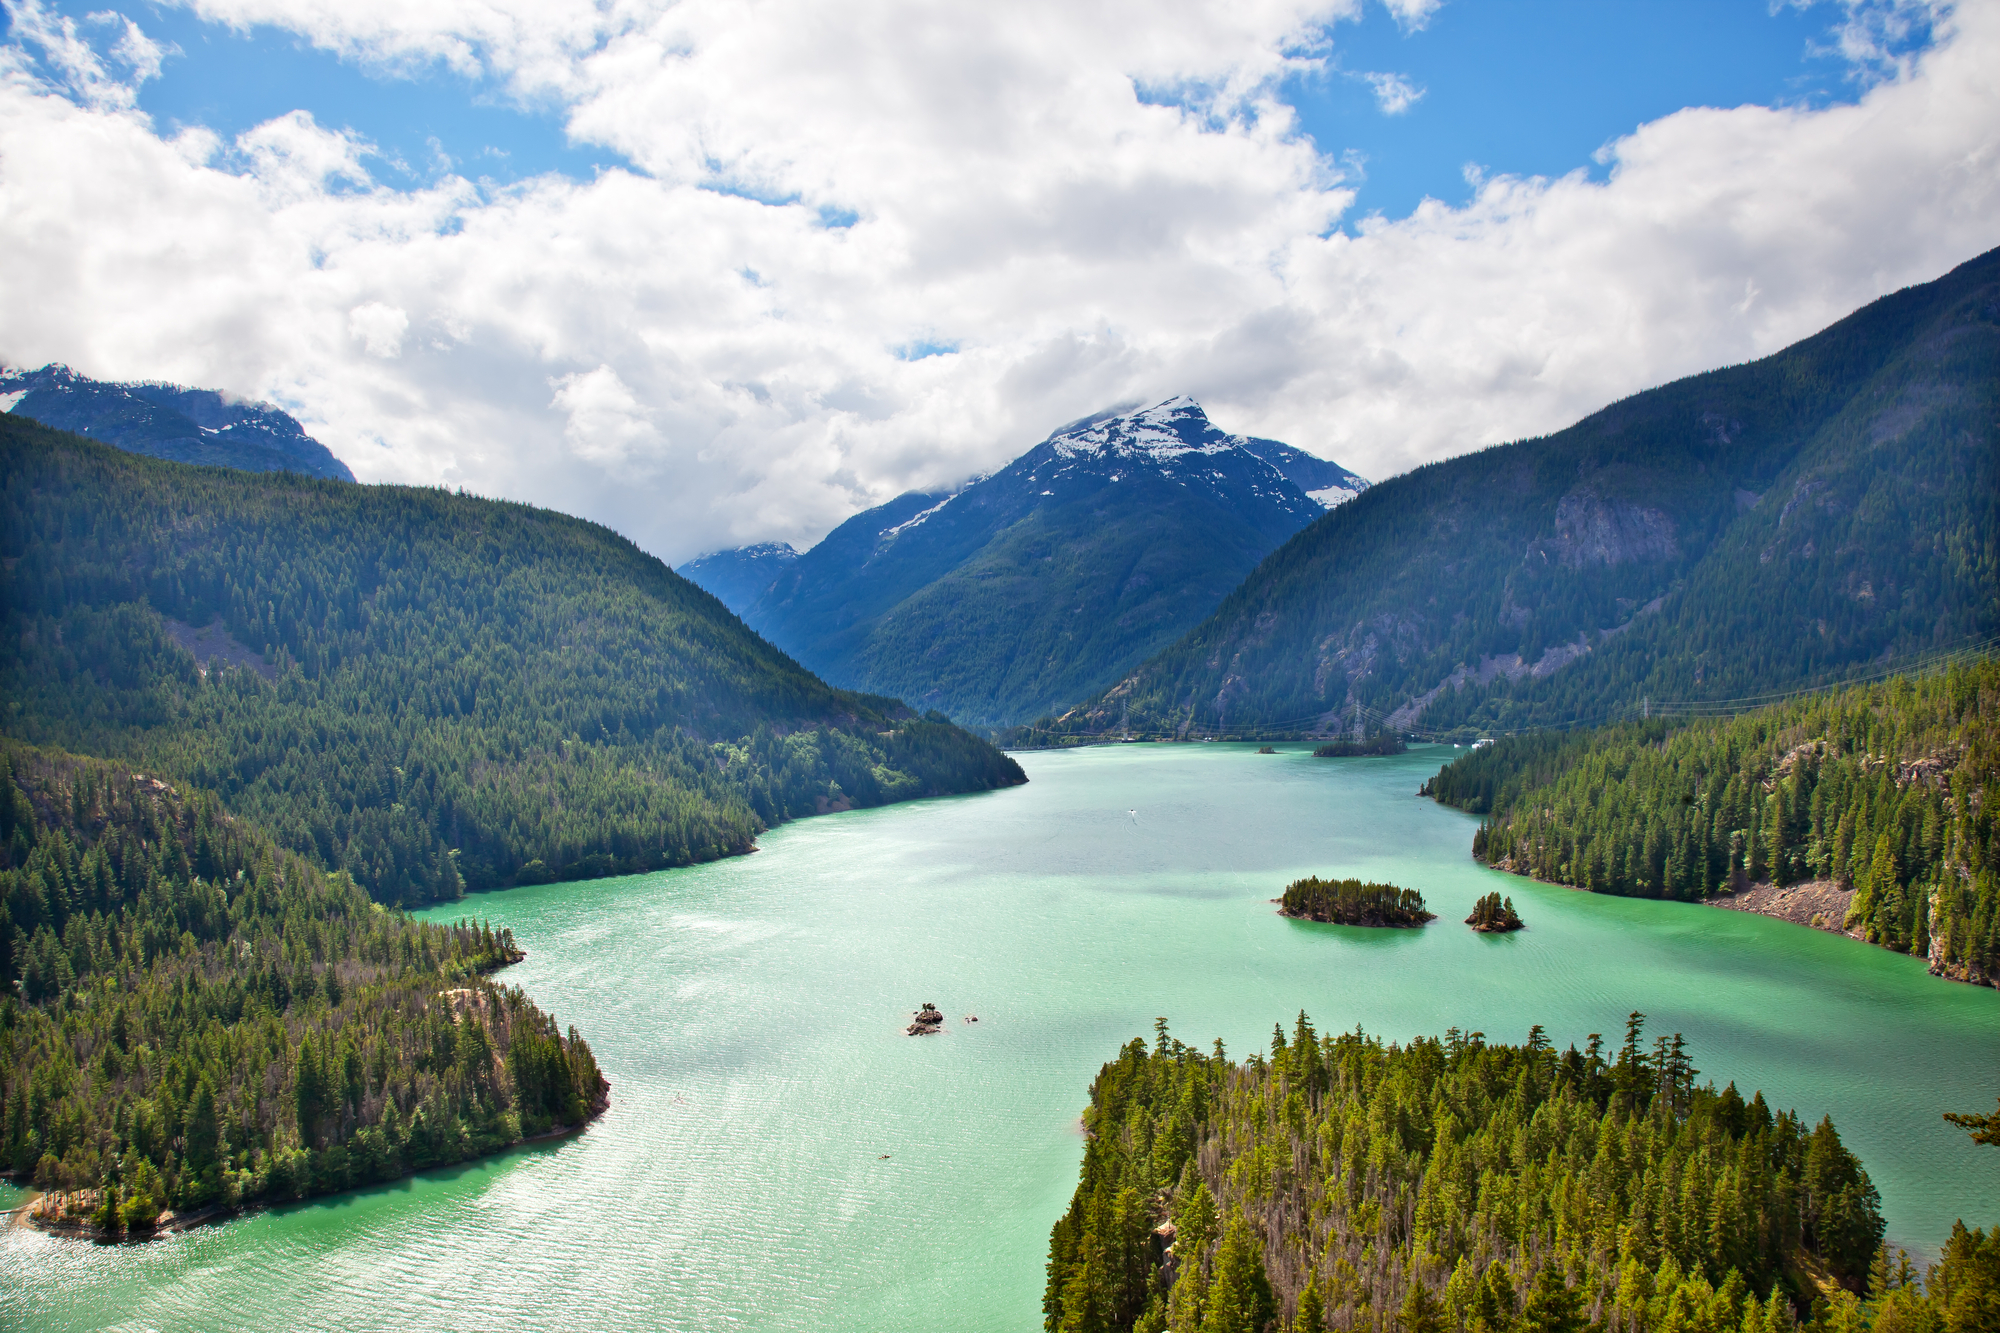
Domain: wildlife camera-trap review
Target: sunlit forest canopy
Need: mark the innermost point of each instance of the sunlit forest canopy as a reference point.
(1341, 1182)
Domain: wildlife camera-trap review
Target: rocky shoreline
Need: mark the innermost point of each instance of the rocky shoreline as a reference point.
(1819, 903)
(67, 1212)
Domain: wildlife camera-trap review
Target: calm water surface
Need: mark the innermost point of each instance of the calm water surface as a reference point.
(779, 1156)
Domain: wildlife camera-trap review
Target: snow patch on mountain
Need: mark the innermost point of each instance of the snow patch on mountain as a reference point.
(1331, 496)
(890, 534)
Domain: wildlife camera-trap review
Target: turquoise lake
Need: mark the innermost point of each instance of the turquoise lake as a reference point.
(778, 1155)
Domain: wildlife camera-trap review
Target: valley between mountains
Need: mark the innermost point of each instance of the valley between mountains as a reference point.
(1037, 585)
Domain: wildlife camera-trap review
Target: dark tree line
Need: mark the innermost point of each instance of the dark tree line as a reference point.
(194, 1016)
(1343, 1183)
(1888, 789)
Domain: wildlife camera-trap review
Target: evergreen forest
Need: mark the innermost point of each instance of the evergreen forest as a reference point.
(1344, 1183)
(195, 1017)
(429, 691)
(1887, 790)
(1349, 902)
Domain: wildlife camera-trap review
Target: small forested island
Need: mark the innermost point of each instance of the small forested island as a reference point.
(1872, 809)
(1494, 915)
(1349, 902)
(1375, 743)
(1341, 1183)
(196, 1019)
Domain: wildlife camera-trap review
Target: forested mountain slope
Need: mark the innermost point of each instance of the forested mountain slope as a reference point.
(1750, 529)
(1046, 580)
(1446, 1185)
(428, 690)
(168, 421)
(195, 1017)
(1890, 792)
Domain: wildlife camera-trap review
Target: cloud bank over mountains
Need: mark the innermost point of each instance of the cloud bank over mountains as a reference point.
(886, 246)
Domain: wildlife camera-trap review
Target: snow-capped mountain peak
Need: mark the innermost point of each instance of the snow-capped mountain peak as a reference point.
(1173, 432)
(1166, 430)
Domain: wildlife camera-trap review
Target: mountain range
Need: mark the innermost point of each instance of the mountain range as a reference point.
(1829, 509)
(169, 421)
(1038, 584)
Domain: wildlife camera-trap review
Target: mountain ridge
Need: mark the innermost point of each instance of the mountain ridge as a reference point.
(997, 599)
(169, 421)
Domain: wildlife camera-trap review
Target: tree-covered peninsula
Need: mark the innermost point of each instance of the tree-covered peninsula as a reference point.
(1349, 902)
(1885, 795)
(432, 692)
(196, 1018)
(1344, 1183)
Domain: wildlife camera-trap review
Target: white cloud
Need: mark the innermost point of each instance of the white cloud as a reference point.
(76, 63)
(135, 50)
(607, 422)
(378, 328)
(1393, 93)
(1413, 15)
(1877, 37)
(697, 368)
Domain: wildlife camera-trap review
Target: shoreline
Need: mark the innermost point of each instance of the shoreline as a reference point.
(1359, 925)
(1812, 904)
(1817, 904)
(170, 1223)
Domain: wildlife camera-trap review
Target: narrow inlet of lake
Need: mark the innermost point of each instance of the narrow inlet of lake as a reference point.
(778, 1155)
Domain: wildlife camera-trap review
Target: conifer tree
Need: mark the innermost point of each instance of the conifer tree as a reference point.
(1239, 1301)
(1553, 1306)
(1421, 1312)
(1312, 1311)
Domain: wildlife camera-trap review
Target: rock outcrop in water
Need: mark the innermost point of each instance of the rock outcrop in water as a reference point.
(928, 1022)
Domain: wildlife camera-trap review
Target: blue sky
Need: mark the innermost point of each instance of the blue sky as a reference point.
(1536, 87)
(1521, 87)
(229, 80)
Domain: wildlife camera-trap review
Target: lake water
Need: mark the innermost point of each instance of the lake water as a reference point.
(779, 1156)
